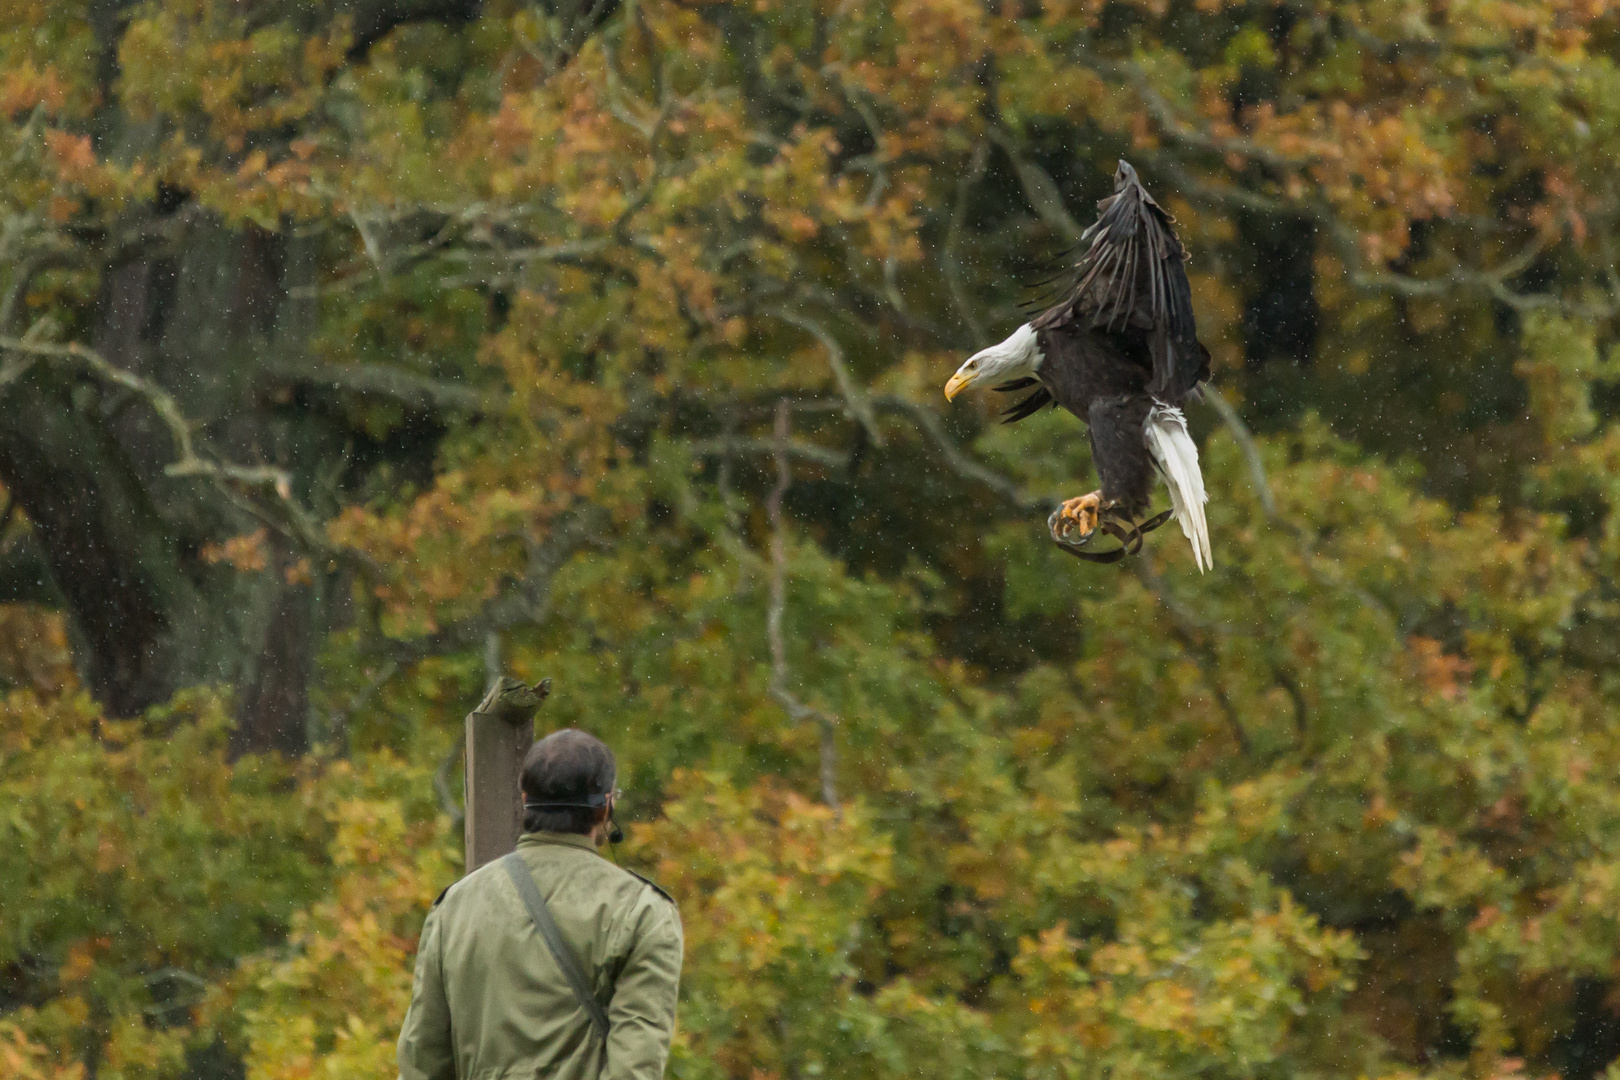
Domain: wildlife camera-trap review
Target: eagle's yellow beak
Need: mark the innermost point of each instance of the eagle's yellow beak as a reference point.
(959, 381)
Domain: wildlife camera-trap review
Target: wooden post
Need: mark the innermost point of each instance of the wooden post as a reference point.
(499, 734)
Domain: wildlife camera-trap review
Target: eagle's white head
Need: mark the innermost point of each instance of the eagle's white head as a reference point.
(1017, 357)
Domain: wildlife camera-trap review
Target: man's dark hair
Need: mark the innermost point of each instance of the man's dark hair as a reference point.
(567, 766)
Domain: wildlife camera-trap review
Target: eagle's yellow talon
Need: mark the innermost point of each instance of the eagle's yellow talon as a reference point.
(1076, 520)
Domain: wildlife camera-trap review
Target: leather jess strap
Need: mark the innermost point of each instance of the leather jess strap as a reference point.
(540, 914)
(1130, 542)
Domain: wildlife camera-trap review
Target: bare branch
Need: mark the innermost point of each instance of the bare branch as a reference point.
(418, 392)
(441, 783)
(1491, 282)
(524, 602)
(372, 245)
(1326, 574)
(339, 720)
(564, 252)
(23, 277)
(859, 406)
(806, 451)
(1170, 122)
(1245, 440)
(293, 519)
(797, 710)
(1039, 188)
(951, 264)
(1193, 635)
(960, 460)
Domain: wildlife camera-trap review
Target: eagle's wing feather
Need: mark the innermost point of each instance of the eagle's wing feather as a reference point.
(1133, 277)
(1028, 407)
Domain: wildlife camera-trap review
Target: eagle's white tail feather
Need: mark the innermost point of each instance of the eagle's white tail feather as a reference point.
(1177, 457)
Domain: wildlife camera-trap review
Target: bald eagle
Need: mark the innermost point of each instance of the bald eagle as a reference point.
(1120, 350)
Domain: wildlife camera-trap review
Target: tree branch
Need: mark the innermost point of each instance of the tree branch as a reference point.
(805, 451)
(375, 19)
(959, 460)
(29, 268)
(417, 392)
(1268, 505)
(1345, 243)
(951, 264)
(1192, 632)
(441, 783)
(1039, 188)
(524, 602)
(1169, 121)
(797, 710)
(294, 519)
(854, 396)
(1251, 451)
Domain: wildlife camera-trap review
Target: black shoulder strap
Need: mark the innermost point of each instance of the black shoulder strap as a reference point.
(519, 873)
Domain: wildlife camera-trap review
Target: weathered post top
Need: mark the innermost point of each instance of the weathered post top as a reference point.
(499, 734)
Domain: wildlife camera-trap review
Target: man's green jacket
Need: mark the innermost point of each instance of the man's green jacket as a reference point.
(488, 1000)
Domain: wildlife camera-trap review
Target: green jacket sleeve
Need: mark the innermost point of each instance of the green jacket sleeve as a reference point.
(425, 1050)
(641, 1018)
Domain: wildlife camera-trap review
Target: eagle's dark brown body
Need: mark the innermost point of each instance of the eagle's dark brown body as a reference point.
(1122, 339)
(1120, 351)
(1104, 383)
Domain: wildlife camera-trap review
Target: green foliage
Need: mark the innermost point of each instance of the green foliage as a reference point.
(1345, 806)
(141, 864)
(332, 994)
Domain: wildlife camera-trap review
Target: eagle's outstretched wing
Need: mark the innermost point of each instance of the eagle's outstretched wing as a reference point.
(1133, 279)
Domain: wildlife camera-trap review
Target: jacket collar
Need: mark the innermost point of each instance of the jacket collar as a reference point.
(563, 839)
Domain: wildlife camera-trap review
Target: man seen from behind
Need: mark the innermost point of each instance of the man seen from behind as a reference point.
(494, 995)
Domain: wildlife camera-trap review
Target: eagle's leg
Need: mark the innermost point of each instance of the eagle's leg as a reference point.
(1076, 520)
(1125, 467)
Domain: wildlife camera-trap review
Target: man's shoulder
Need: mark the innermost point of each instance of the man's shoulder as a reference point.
(610, 878)
(627, 882)
(630, 887)
(477, 881)
(650, 883)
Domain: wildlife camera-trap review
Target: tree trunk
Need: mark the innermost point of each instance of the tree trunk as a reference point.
(208, 313)
(124, 543)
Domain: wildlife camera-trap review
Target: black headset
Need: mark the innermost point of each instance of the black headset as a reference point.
(593, 802)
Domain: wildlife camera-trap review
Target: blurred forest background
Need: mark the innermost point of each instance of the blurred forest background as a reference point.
(351, 352)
